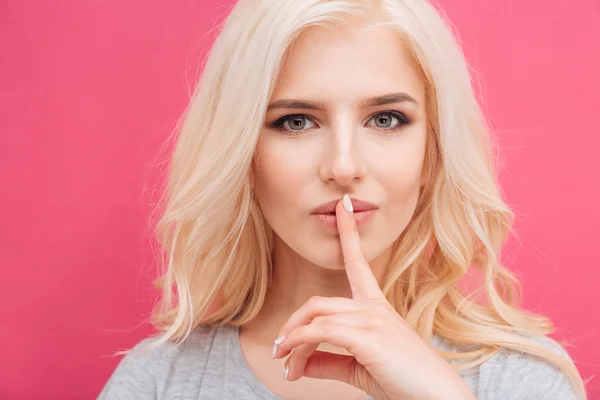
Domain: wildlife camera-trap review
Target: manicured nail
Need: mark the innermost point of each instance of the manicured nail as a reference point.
(286, 373)
(347, 203)
(279, 340)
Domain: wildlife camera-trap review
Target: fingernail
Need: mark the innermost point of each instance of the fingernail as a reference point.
(347, 203)
(286, 372)
(279, 340)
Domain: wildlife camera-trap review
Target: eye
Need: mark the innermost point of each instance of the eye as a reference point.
(293, 123)
(300, 122)
(384, 120)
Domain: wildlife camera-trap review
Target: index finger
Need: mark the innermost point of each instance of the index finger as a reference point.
(363, 283)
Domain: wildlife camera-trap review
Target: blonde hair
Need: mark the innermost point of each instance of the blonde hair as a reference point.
(217, 246)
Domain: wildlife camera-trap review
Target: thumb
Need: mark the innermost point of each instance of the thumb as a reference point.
(339, 367)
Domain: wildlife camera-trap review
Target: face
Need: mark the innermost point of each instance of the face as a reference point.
(348, 116)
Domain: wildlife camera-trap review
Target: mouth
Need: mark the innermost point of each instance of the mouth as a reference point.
(329, 220)
(357, 204)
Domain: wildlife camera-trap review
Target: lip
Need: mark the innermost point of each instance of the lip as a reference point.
(357, 205)
(330, 220)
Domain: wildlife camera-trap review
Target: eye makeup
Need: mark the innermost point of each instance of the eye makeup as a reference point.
(280, 123)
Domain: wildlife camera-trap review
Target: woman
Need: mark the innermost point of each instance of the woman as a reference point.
(331, 186)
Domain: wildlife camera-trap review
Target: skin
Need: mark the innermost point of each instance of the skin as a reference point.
(373, 154)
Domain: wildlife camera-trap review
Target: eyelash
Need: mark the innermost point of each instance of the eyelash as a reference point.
(402, 121)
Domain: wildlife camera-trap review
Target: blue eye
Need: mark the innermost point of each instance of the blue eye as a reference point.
(294, 122)
(387, 117)
(298, 122)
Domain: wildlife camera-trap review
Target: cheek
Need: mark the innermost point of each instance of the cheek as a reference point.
(404, 183)
(400, 178)
(399, 171)
(403, 199)
(280, 175)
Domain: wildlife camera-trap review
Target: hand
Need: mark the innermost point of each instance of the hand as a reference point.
(388, 359)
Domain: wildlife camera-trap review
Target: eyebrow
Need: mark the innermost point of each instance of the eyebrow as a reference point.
(370, 102)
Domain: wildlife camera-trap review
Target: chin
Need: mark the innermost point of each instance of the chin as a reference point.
(334, 267)
(328, 258)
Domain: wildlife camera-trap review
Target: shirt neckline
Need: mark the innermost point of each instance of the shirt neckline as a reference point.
(240, 362)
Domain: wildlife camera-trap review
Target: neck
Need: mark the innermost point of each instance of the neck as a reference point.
(294, 281)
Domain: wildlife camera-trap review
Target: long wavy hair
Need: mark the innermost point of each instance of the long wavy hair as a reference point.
(216, 246)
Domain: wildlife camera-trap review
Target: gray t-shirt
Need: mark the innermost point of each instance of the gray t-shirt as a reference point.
(209, 364)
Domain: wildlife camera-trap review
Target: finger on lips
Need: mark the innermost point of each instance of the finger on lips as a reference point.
(305, 337)
(363, 283)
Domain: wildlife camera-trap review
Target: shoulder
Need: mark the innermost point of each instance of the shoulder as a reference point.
(516, 375)
(141, 373)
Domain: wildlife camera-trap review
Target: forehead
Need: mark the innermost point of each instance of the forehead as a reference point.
(349, 64)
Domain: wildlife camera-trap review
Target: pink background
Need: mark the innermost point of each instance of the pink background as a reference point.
(90, 90)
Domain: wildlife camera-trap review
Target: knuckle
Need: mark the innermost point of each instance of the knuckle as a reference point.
(377, 323)
(327, 328)
(320, 328)
(315, 301)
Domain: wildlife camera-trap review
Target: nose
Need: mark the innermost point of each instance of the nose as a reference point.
(343, 161)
